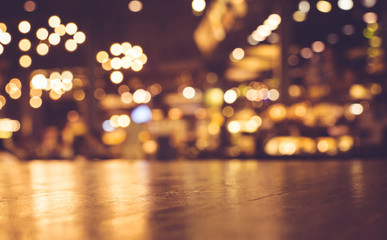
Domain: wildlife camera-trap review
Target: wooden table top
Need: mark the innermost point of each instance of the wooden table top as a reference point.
(211, 199)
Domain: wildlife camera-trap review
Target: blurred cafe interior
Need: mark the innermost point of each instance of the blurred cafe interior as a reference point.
(193, 79)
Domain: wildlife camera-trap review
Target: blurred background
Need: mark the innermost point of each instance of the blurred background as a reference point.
(143, 79)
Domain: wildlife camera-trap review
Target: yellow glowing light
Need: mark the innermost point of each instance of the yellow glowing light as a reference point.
(318, 46)
(294, 91)
(102, 56)
(287, 148)
(175, 114)
(42, 49)
(116, 63)
(116, 49)
(323, 146)
(9, 125)
(304, 6)
(228, 111)
(123, 121)
(42, 34)
(139, 96)
(214, 97)
(324, 6)
(115, 137)
(55, 75)
(54, 21)
(234, 127)
(24, 45)
(299, 16)
(24, 26)
(273, 94)
(29, 6)
(137, 65)
(15, 93)
(126, 47)
(3, 27)
(150, 147)
(67, 86)
(1, 49)
(79, 95)
(5, 38)
(5, 134)
(198, 5)
(251, 126)
(189, 92)
(67, 76)
(15, 83)
(79, 37)
(213, 129)
(126, 97)
(116, 77)
(252, 95)
(114, 121)
(257, 120)
(300, 110)
(230, 96)
(54, 39)
(263, 31)
(136, 51)
(345, 4)
(143, 58)
(345, 143)
(126, 62)
(25, 61)
(39, 81)
(356, 109)
(107, 65)
(35, 92)
(71, 45)
(274, 19)
(358, 91)
(238, 53)
(277, 112)
(71, 28)
(3, 101)
(60, 30)
(35, 102)
(135, 6)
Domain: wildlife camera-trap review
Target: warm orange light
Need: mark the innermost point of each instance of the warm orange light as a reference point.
(54, 21)
(24, 45)
(24, 26)
(25, 61)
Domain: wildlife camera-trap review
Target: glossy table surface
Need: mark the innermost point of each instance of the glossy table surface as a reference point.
(211, 199)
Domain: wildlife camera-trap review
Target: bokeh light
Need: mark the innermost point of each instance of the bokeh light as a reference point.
(141, 114)
(135, 6)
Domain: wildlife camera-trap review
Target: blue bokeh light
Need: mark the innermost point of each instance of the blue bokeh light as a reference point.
(107, 126)
(141, 114)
